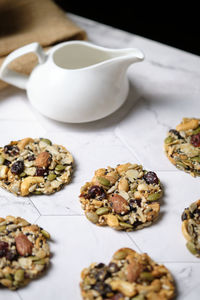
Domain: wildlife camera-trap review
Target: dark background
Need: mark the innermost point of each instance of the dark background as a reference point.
(174, 24)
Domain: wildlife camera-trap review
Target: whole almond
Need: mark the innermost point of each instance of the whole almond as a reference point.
(133, 270)
(43, 160)
(119, 204)
(23, 245)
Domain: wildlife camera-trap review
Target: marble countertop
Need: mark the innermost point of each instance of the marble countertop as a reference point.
(163, 89)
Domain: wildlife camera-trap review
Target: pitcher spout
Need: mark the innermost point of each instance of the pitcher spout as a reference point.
(130, 55)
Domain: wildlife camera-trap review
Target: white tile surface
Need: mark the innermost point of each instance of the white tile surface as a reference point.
(163, 89)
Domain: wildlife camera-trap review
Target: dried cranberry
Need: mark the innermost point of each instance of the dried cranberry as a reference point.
(41, 172)
(96, 190)
(195, 140)
(3, 248)
(17, 167)
(112, 267)
(151, 178)
(11, 256)
(31, 157)
(11, 150)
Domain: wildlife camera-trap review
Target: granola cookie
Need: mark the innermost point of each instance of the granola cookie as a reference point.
(125, 197)
(34, 166)
(24, 252)
(130, 276)
(191, 227)
(182, 146)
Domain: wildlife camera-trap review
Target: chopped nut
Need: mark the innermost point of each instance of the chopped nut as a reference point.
(43, 160)
(23, 245)
(119, 204)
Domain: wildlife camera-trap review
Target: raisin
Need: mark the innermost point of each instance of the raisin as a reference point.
(195, 140)
(11, 150)
(41, 172)
(7, 162)
(17, 167)
(31, 157)
(11, 256)
(100, 265)
(101, 275)
(112, 267)
(184, 216)
(95, 191)
(131, 205)
(136, 223)
(176, 133)
(151, 178)
(117, 296)
(102, 288)
(3, 248)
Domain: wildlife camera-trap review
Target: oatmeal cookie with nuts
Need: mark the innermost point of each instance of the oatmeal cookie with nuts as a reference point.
(191, 227)
(34, 166)
(124, 198)
(130, 276)
(24, 252)
(182, 146)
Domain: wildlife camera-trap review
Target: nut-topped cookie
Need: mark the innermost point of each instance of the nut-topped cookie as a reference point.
(182, 146)
(34, 166)
(130, 276)
(124, 198)
(24, 252)
(191, 227)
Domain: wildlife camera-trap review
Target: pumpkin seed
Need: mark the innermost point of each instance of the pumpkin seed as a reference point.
(45, 234)
(102, 210)
(37, 193)
(40, 262)
(2, 228)
(22, 174)
(154, 197)
(196, 131)
(169, 139)
(46, 141)
(8, 276)
(34, 258)
(2, 159)
(181, 165)
(196, 158)
(138, 297)
(59, 168)
(125, 225)
(192, 207)
(19, 275)
(191, 247)
(120, 255)
(51, 176)
(103, 181)
(92, 216)
(146, 276)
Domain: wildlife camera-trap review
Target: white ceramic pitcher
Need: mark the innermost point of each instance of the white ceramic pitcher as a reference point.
(75, 81)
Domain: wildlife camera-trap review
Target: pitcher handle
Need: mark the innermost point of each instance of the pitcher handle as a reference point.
(15, 78)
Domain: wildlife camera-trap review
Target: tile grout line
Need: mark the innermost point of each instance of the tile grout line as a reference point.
(130, 238)
(34, 206)
(19, 295)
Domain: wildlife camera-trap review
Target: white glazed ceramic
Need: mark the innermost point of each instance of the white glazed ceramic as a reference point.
(75, 81)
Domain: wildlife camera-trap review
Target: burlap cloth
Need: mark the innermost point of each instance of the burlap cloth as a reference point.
(26, 21)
